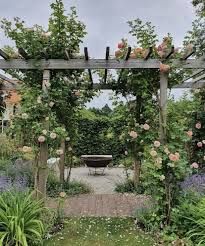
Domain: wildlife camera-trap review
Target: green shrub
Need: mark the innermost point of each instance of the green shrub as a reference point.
(54, 187)
(147, 218)
(7, 147)
(197, 219)
(19, 219)
(129, 187)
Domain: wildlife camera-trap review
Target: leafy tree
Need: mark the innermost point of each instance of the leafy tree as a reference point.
(59, 107)
(200, 5)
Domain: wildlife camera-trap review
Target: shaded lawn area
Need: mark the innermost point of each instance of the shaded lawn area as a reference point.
(86, 231)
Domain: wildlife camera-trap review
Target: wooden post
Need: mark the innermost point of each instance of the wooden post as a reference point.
(136, 177)
(62, 162)
(163, 106)
(41, 167)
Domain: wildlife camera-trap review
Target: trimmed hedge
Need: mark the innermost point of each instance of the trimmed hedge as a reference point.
(98, 135)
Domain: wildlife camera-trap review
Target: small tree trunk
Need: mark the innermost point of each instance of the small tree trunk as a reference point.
(62, 162)
(136, 177)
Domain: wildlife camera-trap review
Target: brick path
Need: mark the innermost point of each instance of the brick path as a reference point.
(107, 205)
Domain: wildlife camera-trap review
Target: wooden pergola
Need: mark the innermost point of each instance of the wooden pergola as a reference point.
(45, 64)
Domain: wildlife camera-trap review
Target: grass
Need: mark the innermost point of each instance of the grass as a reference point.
(100, 232)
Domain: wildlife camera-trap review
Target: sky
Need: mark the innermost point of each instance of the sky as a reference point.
(106, 22)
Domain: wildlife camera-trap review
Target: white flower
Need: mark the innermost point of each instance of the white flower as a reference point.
(126, 152)
(47, 118)
(59, 151)
(67, 139)
(46, 34)
(44, 131)
(133, 134)
(156, 144)
(53, 135)
(70, 149)
(62, 194)
(153, 153)
(166, 150)
(24, 116)
(41, 139)
(51, 104)
(39, 99)
(203, 141)
(171, 164)
(159, 160)
(47, 84)
(146, 127)
(26, 149)
(162, 177)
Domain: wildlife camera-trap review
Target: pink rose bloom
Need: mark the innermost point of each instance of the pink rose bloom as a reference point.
(41, 139)
(195, 165)
(190, 133)
(146, 127)
(174, 157)
(156, 144)
(198, 125)
(199, 144)
(133, 134)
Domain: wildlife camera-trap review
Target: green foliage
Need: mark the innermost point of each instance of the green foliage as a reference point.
(7, 147)
(54, 187)
(163, 168)
(99, 134)
(60, 105)
(147, 218)
(19, 220)
(129, 187)
(197, 218)
(200, 5)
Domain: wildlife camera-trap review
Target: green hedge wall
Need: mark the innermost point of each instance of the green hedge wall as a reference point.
(99, 135)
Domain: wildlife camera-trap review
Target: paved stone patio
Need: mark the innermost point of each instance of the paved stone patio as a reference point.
(105, 205)
(101, 184)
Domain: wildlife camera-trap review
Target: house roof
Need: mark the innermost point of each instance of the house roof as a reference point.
(13, 98)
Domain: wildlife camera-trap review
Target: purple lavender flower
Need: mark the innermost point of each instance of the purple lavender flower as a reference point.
(194, 182)
(19, 183)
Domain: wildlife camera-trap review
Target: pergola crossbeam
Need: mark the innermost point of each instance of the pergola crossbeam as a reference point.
(96, 64)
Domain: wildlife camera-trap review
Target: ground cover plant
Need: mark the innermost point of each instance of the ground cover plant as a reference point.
(100, 231)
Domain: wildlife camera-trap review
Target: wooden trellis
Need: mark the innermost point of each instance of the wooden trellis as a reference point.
(46, 64)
